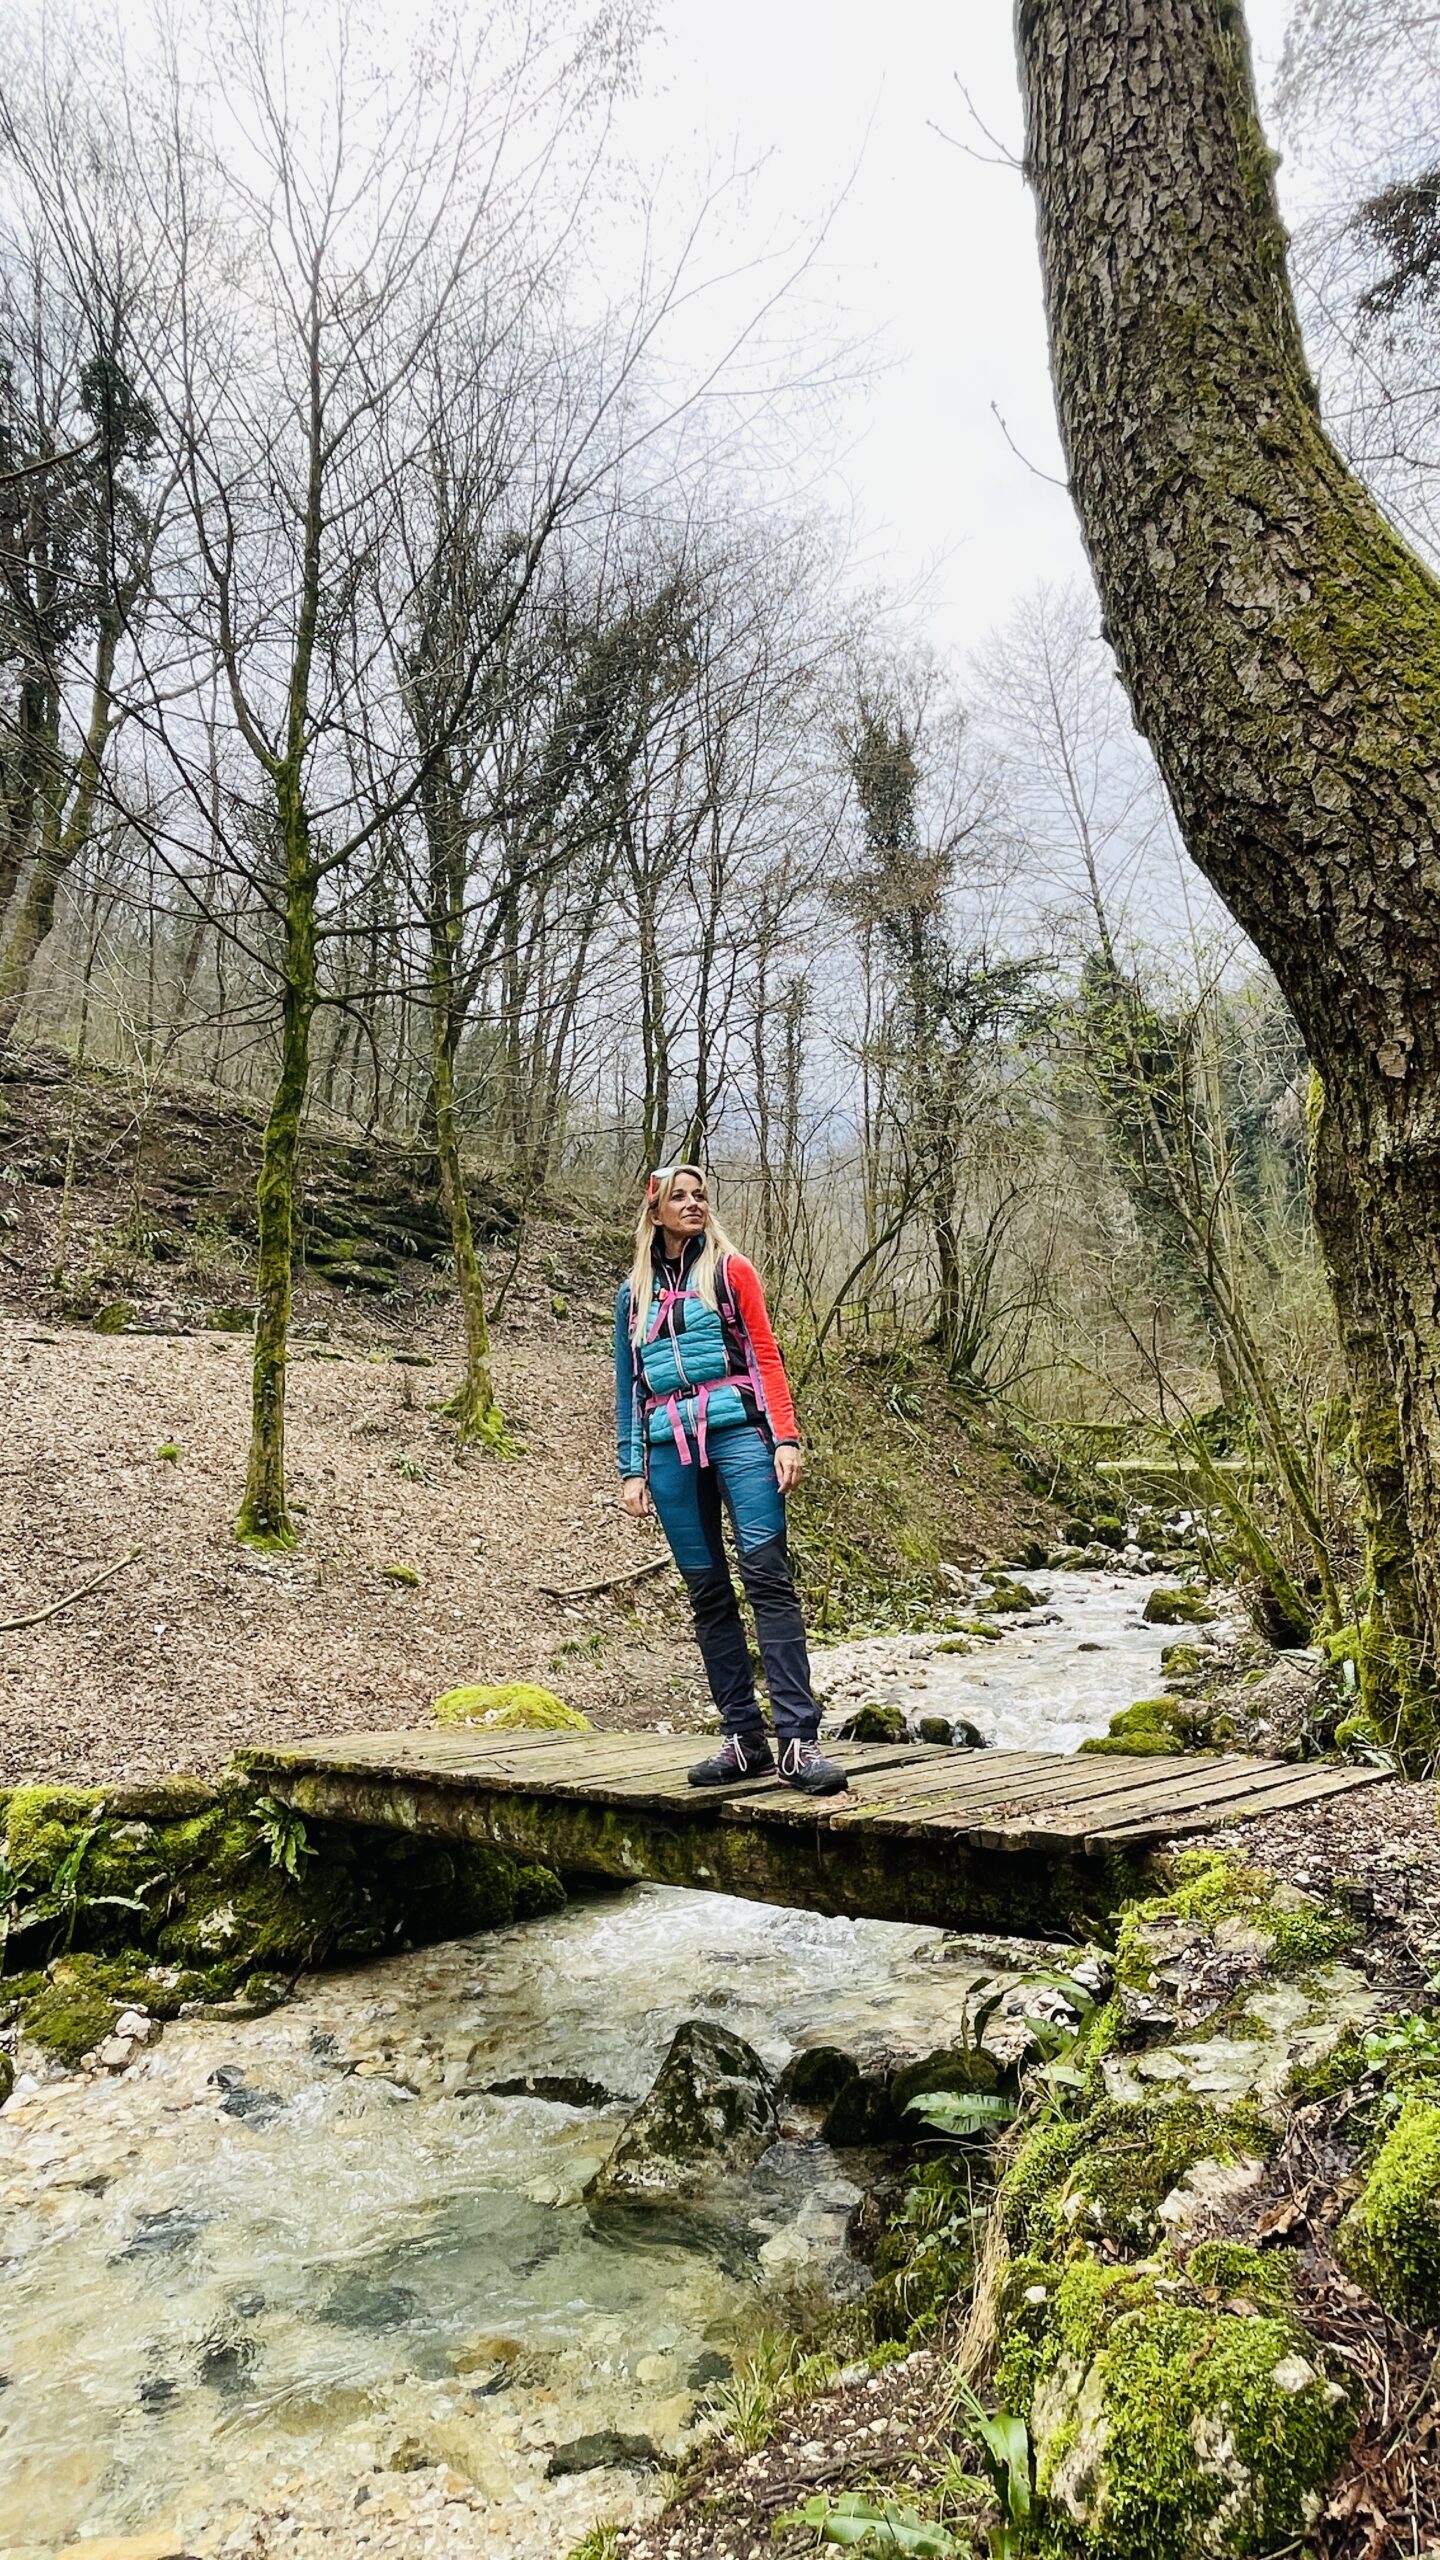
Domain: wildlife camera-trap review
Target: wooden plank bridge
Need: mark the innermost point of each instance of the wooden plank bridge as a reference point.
(1011, 1841)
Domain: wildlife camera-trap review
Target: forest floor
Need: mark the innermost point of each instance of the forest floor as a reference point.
(414, 1572)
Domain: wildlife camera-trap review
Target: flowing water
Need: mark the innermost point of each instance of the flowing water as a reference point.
(1055, 1675)
(348, 2240)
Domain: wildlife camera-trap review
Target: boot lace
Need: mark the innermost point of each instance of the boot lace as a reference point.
(740, 1756)
(800, 1758)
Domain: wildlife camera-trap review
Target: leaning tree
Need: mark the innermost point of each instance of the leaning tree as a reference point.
(1281, 649)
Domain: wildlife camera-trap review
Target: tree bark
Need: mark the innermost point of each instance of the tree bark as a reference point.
(65, 830)
(264, 1517)
(473, 1407)
(1279, 643)
(1394, 1691)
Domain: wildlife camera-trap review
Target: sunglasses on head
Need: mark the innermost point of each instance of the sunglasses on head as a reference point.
(664, 1173)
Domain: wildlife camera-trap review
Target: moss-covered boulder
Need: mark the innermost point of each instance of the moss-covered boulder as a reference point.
(874, 1723)
(1390, 2239)
(514, 1706)
(7, 2077)
(1168, 1724)
(710, 2114)
(1184, 1661)
(1005, 1595)
(871, 2104)
(117, 1317)
(1103, 2177)
(1167, 2426)
(1227, 1987)
(1170, 1606)
(165, 1895)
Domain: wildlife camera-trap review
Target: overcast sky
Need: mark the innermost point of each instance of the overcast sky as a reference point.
(930, 253)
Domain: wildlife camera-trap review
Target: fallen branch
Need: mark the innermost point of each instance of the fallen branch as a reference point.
(612, 1582)
(82, 1590)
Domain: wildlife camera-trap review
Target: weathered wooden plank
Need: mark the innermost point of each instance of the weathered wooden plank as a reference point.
(1156, 1808)
(1051, 1779)
(1308, 1787)
(443, 1742)
(872, 1797)
(972, 1795)
(942, 1771)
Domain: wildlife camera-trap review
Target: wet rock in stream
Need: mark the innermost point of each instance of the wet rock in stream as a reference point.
(556, 2088)
(609, 2450)
(712, 2109)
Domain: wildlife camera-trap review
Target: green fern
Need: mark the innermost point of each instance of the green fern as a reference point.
(283, 1834)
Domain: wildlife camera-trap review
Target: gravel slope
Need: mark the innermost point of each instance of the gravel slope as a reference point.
(199, 1648)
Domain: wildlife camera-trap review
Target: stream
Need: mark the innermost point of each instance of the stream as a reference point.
(279, 2270)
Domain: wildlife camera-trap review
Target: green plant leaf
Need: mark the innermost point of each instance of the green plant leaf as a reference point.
(852, 2522)
(957, 2112)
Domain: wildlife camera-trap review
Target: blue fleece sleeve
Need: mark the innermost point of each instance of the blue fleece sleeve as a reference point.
(629, 1423)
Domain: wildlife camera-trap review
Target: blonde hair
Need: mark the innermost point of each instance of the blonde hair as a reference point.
(705, 1274)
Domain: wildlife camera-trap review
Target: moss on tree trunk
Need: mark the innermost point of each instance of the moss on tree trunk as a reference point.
(1280, 645)
(264, 1518)
(473, 1408)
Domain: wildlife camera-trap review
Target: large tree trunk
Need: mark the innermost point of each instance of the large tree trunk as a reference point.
(1392, 1656)
(1280, 645)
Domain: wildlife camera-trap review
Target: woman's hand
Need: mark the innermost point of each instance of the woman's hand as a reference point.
(635, 1497)
(789, 1466)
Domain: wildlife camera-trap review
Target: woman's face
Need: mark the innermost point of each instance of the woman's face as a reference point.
(686, 1209)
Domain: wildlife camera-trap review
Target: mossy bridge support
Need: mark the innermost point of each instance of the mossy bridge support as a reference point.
(1022, 1842)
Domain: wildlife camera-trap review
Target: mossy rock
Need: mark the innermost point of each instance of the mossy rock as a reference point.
(1171, 1607)
(1237, 2274)
(1390, 2239)
(1295, 1931)
(875, 1723)
(7, 2076)
(1166, 2427)
(117, 1317)
(41, 1826)
(516, 1706)
(229, 1319)
(70, 2009)
(711, 2112)
(1183, 1661)
(1104, 2176)
(1155, 1725)
(1005, 1596)
(74, 2011)
(187, 1874)
(872, 2107)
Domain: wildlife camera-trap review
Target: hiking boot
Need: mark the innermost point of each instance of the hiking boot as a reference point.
(804, 1766)
(741, 1755)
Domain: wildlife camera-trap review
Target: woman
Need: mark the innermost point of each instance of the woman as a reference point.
(704, 1422)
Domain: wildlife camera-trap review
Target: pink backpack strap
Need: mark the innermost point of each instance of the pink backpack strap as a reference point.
(732, 1304)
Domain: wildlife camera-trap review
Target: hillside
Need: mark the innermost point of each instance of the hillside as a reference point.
(414, 1572)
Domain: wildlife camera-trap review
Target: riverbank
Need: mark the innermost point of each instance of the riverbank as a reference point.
(1196, 2281)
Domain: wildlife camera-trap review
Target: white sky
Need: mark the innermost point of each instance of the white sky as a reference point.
(929, 251)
